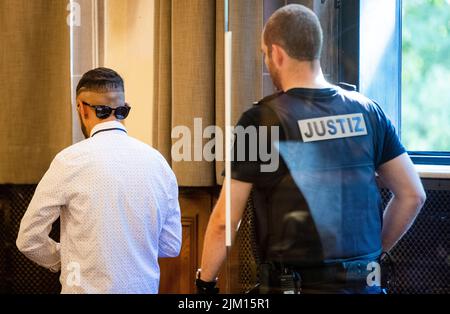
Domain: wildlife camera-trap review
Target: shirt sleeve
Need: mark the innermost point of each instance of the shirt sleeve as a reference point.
(254, 157)
(389, 145)
(44, 209)
(245, 163)
(171, 232)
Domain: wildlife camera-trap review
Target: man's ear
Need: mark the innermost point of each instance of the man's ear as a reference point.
(278, 55)
(81, 109)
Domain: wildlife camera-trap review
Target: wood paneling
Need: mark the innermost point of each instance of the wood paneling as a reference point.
(178, 274)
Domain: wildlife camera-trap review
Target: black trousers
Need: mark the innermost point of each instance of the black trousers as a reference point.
(355, 277)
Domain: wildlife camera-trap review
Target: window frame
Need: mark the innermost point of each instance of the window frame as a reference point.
(350, 49)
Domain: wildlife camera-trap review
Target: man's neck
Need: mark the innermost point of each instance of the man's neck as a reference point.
(305, 75)
(100, 124)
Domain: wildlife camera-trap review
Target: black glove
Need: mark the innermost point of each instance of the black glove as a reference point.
(204, 287)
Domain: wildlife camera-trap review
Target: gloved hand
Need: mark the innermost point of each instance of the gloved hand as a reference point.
(204, 287)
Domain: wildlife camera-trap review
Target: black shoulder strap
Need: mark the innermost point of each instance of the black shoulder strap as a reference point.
(268, 98)
(346, 86)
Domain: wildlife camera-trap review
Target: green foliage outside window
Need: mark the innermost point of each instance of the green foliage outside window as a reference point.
(426, 75)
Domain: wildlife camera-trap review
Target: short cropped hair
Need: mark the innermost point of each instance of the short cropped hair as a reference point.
(100, 80)
(297, 30)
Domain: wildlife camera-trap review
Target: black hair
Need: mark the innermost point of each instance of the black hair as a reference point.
(297, 30)
(100, 80)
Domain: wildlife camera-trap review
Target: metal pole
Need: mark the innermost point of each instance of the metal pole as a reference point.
(228, 91)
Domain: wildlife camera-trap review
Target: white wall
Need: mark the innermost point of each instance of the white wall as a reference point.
(128, 42)
(84, 51)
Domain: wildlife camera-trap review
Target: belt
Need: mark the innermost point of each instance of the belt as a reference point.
(338, 273)
(349, 272)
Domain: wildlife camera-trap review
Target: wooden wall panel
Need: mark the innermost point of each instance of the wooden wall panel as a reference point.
(178, 274)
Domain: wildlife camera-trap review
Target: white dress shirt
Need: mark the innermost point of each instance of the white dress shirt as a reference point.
(118, 203)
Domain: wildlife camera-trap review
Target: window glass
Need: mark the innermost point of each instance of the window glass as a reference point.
(426, 75)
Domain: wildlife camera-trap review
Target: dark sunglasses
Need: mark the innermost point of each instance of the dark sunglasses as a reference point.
(104, 112)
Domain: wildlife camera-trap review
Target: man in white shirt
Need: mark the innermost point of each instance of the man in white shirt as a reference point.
(117, 199)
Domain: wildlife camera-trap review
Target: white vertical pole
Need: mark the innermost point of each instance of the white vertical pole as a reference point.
(228, 90)
(228, 83)
(72, 74)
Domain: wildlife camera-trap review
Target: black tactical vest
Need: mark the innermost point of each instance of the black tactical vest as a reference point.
(326, 207)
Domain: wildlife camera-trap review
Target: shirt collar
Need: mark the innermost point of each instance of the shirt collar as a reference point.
(314, 92)
(108, 125)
